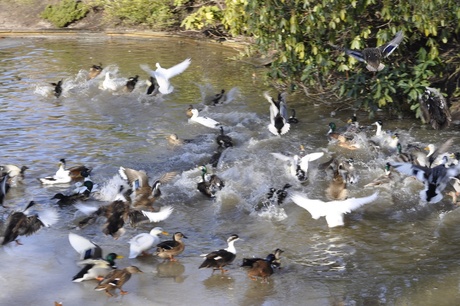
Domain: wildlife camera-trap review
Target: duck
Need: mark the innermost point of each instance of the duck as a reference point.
(218, 98)
(293, 119)
(298, 166)
(152, 86)
(435, 110)
(116, 279)
(383, 180)
(131, 83)
(262, 268)
(163, 75)
(203, 120)
(118, 213)
(217, 260)
(64, 175)
(69, 199)
(278, 115)
(373, 56)
(436, 154)
(344, 140)
(96, 268)
(170, 248)
(16, 174)
(333, 211)
(110, 83)
(57, 88)
(21, 223)
(337, 189)
(140, 243)
(275, 263)
(223, 140)
(84, 247)
(435, 179)
(209, 184)
(215, 157)
(94, 71)
(143, 195)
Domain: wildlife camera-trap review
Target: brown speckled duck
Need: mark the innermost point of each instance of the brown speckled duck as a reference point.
(116, 279)
(170, 248)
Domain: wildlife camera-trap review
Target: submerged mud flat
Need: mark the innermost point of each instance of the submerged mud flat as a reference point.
(393, 251)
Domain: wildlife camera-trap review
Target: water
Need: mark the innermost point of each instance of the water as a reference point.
(395, 251)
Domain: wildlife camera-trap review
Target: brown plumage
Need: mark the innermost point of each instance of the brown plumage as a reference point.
(170, 248)
(337, 189)
(262, 268)
(143, 195)
(116, 279)
(94, 71)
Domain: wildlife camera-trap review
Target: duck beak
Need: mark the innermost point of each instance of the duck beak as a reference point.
(119, 257)
(165, 233)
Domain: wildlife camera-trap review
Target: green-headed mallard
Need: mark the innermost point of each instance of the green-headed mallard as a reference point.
(170, 248)
(209, 184)
(116, 279)
(162, 75)
(139, 244)
(217, 260)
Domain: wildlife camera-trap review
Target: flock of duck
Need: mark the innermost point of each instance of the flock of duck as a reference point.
(135, 202)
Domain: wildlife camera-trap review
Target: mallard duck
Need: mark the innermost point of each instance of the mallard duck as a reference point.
(435, 110)
(16, 174)
(139, 244)
(218, 98)
(94, 266)
(217, 260)
(344, 140)
(64, 175)
(278, 115)
(383, 179)
(209, 184)
(333, 210)
(163, 75)
(131, 83)
(94, 71)
(143, 195)
(215, 157)
(116, 279)
(118, 213)
(337, 189)
(275, 263)
(170, 248)
(223, 140)
(262, 268)
(373, 56)
(152, 86)
(206, 121)
(435, 179)
(57, 88)
(19, 223)
(298, 166)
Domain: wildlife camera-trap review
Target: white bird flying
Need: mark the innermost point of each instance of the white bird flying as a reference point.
(163, 75)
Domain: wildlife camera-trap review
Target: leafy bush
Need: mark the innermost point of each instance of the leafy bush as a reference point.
(65, 13)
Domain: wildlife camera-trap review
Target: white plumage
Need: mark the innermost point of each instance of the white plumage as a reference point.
(161, 215)
(278, 115)
(62, 176)
(206, 121)
(162, 75)
(333, 210)
(298, 166)
(144, 241)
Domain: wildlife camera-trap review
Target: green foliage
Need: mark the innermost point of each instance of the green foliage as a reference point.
(66, 12)
(155, 14)
(301, 33)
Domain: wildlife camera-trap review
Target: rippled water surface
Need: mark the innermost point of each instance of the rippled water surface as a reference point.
(394, 251)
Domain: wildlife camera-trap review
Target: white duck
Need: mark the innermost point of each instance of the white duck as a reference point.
(278, 115)
(206, 121)
(163, 75)
(333, 210)
(112, 84)
(144, 241)
(62, 176)
(298, 166)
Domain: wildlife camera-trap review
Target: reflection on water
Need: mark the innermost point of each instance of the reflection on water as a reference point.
(395, 251)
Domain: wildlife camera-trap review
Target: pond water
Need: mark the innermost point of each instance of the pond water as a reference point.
(393, 251)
